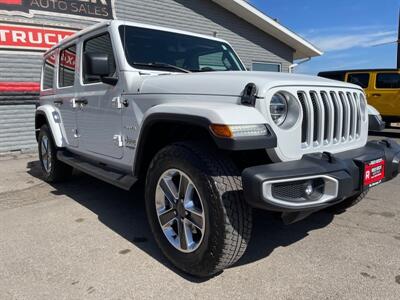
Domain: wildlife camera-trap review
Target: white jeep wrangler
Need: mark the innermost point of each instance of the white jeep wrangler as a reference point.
(126, 102)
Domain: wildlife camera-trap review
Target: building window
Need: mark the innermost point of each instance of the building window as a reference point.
(100, 44)
(48, 72)
(388, 81)
(361, 79)
(66, 73)
(215, 61)
(266, 67)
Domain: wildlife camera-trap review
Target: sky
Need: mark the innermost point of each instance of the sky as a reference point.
(346, 30)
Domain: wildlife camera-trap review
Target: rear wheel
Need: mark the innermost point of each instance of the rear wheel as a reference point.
(53, 169)
(196, 210)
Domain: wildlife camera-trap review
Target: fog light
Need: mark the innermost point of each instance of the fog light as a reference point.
(309, 190)
(314, 189)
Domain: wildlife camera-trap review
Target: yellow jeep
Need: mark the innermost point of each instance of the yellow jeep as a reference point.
(382, 87)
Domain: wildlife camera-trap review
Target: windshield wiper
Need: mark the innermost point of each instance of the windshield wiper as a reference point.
(161, 65)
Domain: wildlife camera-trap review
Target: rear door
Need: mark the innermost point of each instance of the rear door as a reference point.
(99, 117)
(386, 94)
(65, 94)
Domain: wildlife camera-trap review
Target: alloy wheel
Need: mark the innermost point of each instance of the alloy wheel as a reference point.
(45, 153)
(180, 210)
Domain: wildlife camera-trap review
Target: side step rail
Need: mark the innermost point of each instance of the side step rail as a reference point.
(121, 180)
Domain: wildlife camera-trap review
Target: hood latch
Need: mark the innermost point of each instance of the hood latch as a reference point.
(249, 96)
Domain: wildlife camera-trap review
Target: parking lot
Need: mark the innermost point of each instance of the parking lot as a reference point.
(85, 239)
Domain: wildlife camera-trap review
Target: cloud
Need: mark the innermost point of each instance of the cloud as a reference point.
(337, 38)
(344, 29)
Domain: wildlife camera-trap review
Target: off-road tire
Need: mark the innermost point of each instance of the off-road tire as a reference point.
(228, 218)
(58, 171)
(347, 203)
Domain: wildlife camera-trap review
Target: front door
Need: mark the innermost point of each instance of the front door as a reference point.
(99, 116)
(385, 97)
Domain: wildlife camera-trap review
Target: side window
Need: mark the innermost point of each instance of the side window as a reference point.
(66, 69)
(99, 45)
(361, 79)
(48, 72)
(388, 81)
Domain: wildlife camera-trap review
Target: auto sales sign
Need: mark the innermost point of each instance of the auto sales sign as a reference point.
(100, 9)
(31, 38)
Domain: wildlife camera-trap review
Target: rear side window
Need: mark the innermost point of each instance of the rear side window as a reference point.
(99, 45)
(388, 81)
(66, 73)
(48, 72)
(361, 79)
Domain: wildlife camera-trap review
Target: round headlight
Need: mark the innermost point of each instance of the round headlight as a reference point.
(278, 108)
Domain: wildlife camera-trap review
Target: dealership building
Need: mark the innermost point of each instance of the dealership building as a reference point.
(29, 27)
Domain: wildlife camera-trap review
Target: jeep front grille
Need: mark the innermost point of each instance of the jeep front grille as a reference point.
(330, 117)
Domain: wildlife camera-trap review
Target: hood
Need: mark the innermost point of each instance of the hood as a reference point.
(230, 83)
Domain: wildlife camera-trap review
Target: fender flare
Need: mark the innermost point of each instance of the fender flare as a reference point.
(203, 117)
(53, 119)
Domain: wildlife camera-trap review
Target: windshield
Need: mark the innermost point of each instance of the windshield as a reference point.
(167, 51)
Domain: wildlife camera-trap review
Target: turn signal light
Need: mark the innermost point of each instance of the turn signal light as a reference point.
(221, 130)
(238, 131)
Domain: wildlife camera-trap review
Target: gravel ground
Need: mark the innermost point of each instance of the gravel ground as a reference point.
(85, 239)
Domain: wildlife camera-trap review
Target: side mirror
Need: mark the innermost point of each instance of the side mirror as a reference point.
(98, 64)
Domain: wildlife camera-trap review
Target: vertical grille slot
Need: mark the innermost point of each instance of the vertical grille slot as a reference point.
(304, 125)
(317, 115)
(338, 112)
(346, 117)
(329, 117)
(353, 115)
(358, 110)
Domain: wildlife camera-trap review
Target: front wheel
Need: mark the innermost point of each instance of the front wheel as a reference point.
(53, 169)
(196, 210)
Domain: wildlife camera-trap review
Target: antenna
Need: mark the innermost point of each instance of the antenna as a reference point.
(398, 45)
(394, 42)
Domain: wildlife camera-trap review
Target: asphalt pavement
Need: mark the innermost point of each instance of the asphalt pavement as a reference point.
(85, 239)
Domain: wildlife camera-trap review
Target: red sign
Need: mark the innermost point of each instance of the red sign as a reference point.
(19, 87)
(11, 2)
(374, 172)
(33, 38)
(67, 59)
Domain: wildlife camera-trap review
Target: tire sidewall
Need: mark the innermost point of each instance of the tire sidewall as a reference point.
(204, 256)
(44, 131)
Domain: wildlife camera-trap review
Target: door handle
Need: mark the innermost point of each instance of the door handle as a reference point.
(74, 102)
(82, 101)
(376, 95)
(58, 102)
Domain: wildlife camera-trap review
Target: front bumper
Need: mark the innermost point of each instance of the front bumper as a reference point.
(342, 175)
